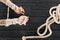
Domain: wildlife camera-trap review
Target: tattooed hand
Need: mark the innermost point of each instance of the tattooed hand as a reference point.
(18, 10)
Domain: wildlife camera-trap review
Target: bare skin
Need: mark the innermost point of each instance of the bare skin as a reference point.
(18, 10)
(22, 20)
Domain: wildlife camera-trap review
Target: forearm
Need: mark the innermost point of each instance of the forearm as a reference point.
(22, 20)
(12, 6)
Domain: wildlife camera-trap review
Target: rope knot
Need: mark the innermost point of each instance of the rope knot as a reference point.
(55, 13)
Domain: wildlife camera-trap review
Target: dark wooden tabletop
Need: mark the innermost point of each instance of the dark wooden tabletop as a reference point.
(38, 11)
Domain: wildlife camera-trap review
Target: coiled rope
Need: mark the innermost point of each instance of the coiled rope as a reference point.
(54, 17)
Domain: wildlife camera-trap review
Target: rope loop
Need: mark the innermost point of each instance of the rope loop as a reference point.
(54, 17)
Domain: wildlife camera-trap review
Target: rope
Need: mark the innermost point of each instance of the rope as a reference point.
(54, 17)
(21, 20)
(8, 13)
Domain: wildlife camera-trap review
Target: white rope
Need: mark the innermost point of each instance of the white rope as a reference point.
(21, 20)
(54, 17)
(8, 13)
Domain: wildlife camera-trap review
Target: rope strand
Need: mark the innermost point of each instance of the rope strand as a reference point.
(54, 17)
(8, 13)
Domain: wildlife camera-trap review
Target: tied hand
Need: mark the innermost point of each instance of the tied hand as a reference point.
(20, 10)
